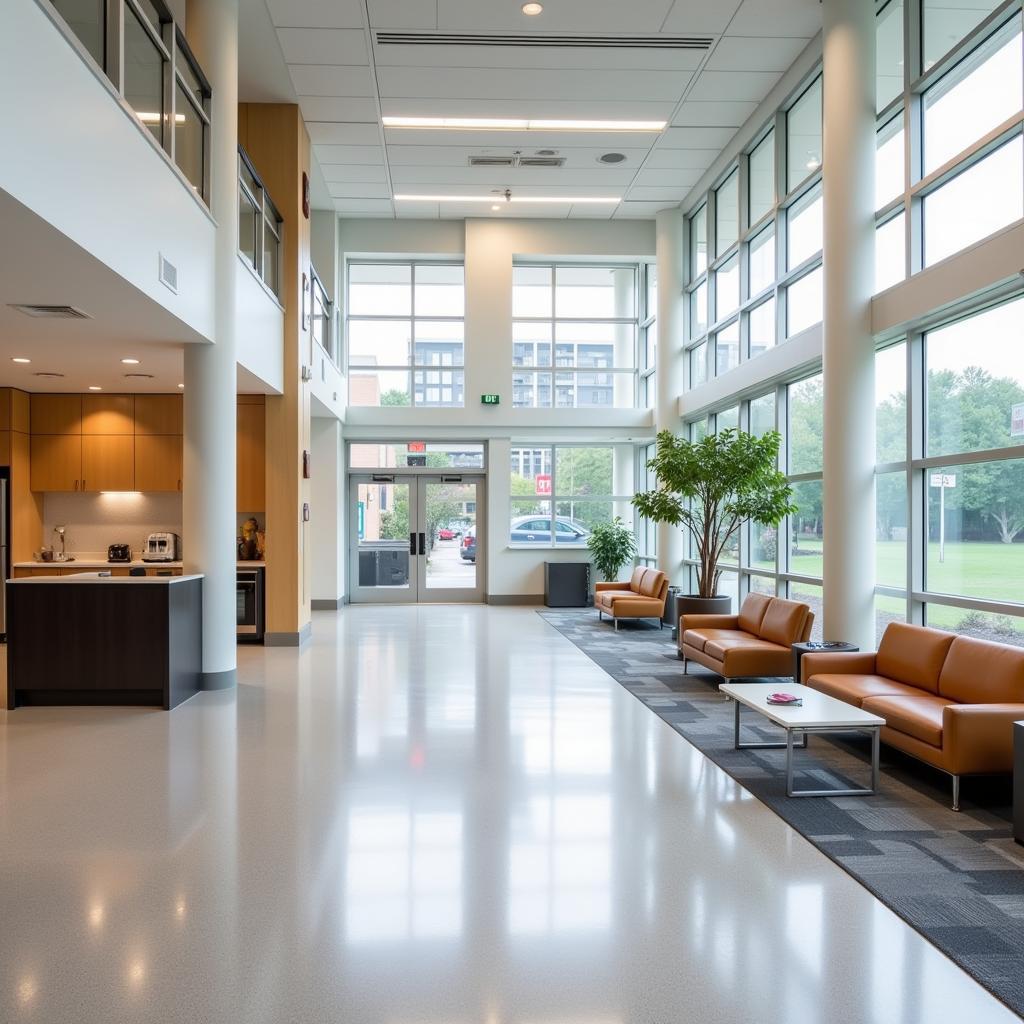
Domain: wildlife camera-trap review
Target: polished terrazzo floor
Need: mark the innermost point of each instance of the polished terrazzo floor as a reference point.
(433, 815)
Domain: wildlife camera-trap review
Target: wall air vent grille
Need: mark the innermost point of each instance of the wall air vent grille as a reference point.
(542, 161)
(168, 274)
(492, 161)
(572, 41)
(50, 312)
(517, 161)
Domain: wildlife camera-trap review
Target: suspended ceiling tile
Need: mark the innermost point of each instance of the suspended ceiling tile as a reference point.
(575, 16)
(458, 156)
(332, 80)
(327, 154)
(365, 207)
(777, 18)
(682, 159)
(755, 53)
(539, 84)
(317, 13)
(323, 46)
(606, 141)
(675, 194)
(330, 133)
(697, 114)
(675, 178)
(353, 172)
(733, 85)
(641, 211)
(696, 138)
(358, 190)
(335, 108)
(403, 14)
(465, 106)
(513, 177)
(692, 17)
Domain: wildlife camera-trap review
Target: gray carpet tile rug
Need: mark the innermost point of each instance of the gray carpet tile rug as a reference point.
(958, 878)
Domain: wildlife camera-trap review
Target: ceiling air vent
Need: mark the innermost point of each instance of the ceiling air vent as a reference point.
(575, 42)
(50, 312)
(542, 161)
(492, 161)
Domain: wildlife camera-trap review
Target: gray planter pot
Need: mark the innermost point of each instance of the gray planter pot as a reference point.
(691, 604)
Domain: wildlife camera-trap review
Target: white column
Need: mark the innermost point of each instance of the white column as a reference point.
(848, 360)
(208, 508)
(671, 325)
(328, 521)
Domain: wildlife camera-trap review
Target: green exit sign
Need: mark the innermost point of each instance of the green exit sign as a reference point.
(490, 399)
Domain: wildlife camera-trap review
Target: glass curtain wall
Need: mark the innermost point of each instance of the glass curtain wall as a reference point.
(754, 244)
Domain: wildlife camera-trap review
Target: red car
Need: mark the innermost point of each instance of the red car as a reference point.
(445, 534)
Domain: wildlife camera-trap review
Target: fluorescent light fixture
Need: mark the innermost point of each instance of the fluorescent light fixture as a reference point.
(95, 387)
(130, 362)
(149, 117)
(569, 200)
(20, 359)
(521, 124)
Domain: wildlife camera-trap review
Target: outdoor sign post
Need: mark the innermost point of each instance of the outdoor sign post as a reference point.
(942, 481)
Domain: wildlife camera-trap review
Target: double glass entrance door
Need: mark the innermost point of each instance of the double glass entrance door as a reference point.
(415, 538)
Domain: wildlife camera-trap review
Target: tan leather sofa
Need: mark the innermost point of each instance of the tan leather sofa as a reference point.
(949, 700)
(642, 598)
(757, 642)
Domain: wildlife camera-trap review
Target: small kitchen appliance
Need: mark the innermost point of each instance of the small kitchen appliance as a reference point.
(162, 547)
(119, 553)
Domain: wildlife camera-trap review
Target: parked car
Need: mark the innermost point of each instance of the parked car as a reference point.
(537, 530)
(445, 534)
(467, 550)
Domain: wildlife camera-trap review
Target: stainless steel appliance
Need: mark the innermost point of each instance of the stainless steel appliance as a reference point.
(119, 553)
(5, 541)
(162, 547)
(249, 601)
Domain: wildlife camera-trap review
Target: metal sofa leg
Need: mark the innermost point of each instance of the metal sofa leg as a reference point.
(600, 616)
(956, 792)
(685, 664)
(616, 625)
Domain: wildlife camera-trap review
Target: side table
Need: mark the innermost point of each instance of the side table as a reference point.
(818, 647)
(1018, 782)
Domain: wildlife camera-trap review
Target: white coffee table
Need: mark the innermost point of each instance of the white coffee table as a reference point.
(819, 713)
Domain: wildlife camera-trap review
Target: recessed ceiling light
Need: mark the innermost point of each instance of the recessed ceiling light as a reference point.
(569, 200)
(521, 124)
(532, 9)
(95, 387)
(20, 359)
(495, 207)
(611, 158)
(813, 162)
(181, 385)
(130, 362)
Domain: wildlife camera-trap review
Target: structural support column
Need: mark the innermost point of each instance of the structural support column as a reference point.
(671, 327)
(208, 507)
(849, 356)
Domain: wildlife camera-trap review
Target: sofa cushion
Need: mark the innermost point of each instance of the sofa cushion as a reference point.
(783, 621)
(651, 583)
(913, 655)
(635, 580)
(752, 612)
(700, 638)
(853, 689)
(695, 638)
(633, 606)
(605, 598)
(982, 672)
(920, 716)
(718, 646)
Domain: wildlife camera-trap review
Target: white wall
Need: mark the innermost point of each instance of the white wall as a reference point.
(327, 510)
(95, 521)
(489, 247)
(77, 158)
(260, 329)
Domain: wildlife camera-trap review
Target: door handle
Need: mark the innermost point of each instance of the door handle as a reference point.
(412, 543)
(423, 543)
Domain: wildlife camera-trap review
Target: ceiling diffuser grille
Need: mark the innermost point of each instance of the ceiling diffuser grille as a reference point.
(541, 161)
(576, 42)
(516, 161)
(50, 312)
(492, 161)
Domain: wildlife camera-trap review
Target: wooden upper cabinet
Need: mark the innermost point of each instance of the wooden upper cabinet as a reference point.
(158, 459)
(108, 462)
(158, 414)
(56, 462)
(108, 414)
(56, 414)
(251, 458)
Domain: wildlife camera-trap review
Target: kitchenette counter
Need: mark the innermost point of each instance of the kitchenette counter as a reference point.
(112, 640)
(96, 563)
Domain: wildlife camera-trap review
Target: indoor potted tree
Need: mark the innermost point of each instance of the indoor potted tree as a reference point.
(711, 487)
(612, 545)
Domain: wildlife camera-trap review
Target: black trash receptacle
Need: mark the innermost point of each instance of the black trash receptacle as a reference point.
(671, 616)
(567, 584)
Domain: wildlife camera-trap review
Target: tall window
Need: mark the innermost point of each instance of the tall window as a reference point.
(756, 291)
(649, 339)
(560, 493)
(574, 336)
(405, 334)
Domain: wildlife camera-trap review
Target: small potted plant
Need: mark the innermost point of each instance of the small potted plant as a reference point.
(612, 545)
(711, 487)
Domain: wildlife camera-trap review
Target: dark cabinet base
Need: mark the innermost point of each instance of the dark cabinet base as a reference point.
(105, 643)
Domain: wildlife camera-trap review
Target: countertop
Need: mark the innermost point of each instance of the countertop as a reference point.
(86, 563)
(113, 580)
